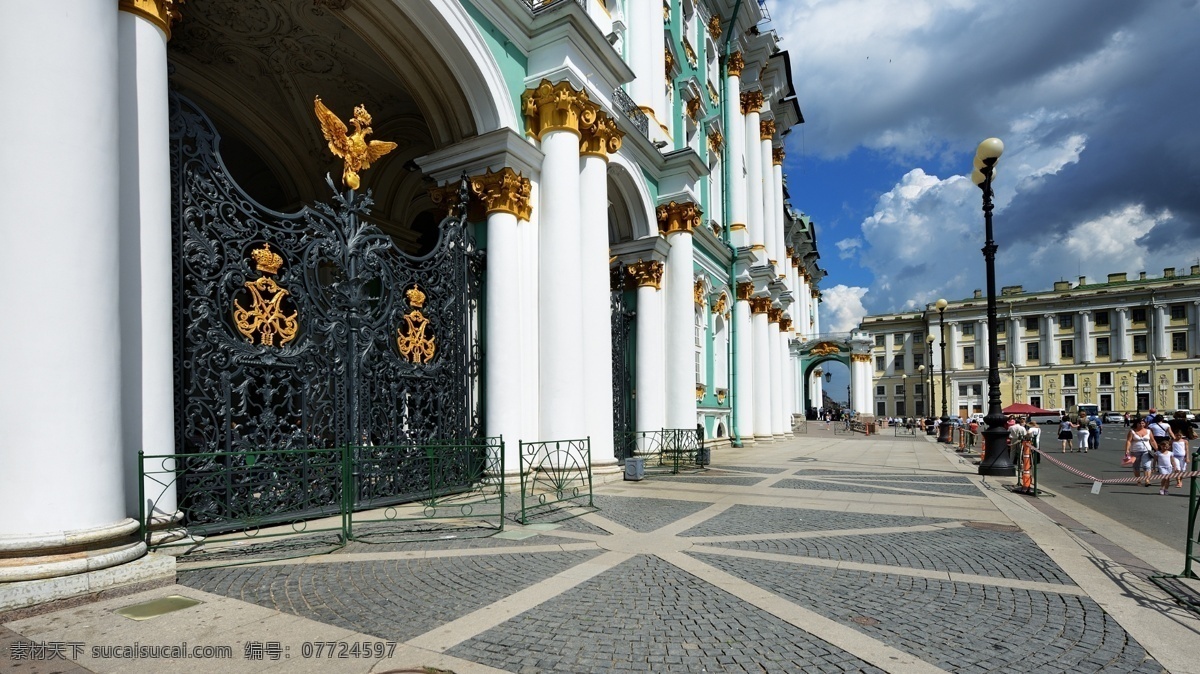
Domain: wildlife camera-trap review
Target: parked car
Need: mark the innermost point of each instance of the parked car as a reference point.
(1113, 418)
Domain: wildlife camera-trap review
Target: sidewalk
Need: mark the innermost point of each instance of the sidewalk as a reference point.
(824, 553)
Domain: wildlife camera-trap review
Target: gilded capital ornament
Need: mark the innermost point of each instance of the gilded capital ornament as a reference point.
(774, 315)
(777, 155)
(716, 142)
(693, 108)
(602, 138)
(735, 64)
(678, 217)
(791, 252)
(720, 305)
(744, 290)
(766, 129)
(785, 325)
(714, 27)
(647, 273)
(752, 101)
(556, 107)
(668, 62)
(161, 13)
(698, 293)
(815, 293)
(504, 191)
(445, 198)
(860, 357)
(760, 305)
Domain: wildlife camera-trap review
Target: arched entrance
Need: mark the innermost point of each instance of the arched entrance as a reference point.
(810, 357)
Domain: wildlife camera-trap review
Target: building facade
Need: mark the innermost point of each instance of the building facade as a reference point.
(575, 224)
(1126, 345)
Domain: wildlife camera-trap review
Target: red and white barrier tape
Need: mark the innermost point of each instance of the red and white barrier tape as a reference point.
(1146, 475)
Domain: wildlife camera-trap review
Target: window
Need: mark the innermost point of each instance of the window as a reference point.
(1031, 351)
(880, 390)
(1106, 380)
(879, 340)
(1101, 318)
(881, 409)
(1183, 400)
(918, 359)
(1068, 381)
(977, 389)
(1183, 376)
(1036, 401)
(920, 408)
(1101, 346)
(1031, 323)
(1139, 344)
(1068, 401)
(968, 329)
(879, 363)
(1106, 401)
(1138, 315)
(1000, 327)
(962, 389)
(1002, 354)
(1178, 312)
(1066, 348)
(1035, 381)
(900, 411)
(1143, 377)
(918, 389)
(1179, 341)
(1066, 321)
(968, 355)
(898, 361)
(918, 336)
(899, 389)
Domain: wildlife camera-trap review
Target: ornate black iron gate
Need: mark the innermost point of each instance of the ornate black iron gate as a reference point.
(310, 330)
(622, 366)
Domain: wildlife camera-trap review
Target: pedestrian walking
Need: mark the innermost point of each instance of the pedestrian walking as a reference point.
(1064, 433)
(1095, 426)
(1166, 465)
(1082, 433)
(1184, 432)
(1016, 435)
(1138, 445)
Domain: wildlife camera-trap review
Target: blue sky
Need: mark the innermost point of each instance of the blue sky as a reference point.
(1094, 99)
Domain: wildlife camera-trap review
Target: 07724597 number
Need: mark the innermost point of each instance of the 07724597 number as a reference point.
(347, 649)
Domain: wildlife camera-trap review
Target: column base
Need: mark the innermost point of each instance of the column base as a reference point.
(26, 598)
(764, 438)
(65, 553)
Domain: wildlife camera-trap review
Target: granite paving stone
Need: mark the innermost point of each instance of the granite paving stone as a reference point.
(742, 520)
(645, 513)
(877, 488)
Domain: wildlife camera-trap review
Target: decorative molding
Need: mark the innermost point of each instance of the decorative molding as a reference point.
(760, 305)
(647, 273)
(693, 108)
(774, 315)
(556, 107)
(777, 155)
(678, 217)
(737, 226)
(785, 325)
(161, 13)
(700, 388)
(414, 344)
(860, 357)
(735, 64)
(744, 290)
(355, 151)
(714, 27)
(752, 101)
(668, 61)
(504, 191)
(265, 317)
(698, 293)
(601, 138)
(766, 129)
(720, 305)
(716, 142)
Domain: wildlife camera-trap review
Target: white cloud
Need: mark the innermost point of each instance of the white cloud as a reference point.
(841, 308)
(848, 247)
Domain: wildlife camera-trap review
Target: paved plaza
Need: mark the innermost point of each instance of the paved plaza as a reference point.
(826, 553)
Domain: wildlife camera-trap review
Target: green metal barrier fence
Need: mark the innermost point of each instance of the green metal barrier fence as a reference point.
(555, 472)
(273, 504)
(1183, 586)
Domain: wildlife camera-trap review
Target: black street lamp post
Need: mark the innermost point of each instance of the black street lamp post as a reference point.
(996, 459)
(944, 426)
(929, 339)
(1142, 375)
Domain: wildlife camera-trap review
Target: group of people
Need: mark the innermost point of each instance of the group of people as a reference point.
(1158, 446)
(1081, 433)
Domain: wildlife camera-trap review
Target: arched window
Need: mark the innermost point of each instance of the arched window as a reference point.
(720, 344)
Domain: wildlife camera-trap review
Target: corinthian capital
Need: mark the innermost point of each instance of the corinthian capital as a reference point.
(766, 129)
(678, 217)
(162, 13)
(752, 101)
(602, 138)
(647, 273)
(505, 191)
(556, 107)
(735, 64)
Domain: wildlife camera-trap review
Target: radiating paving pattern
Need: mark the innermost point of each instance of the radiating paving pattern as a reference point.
(735, 569)
(959, 627)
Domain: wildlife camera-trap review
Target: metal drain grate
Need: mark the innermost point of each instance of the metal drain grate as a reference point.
(157, 607)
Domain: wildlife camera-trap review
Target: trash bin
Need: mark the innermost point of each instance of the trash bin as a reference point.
(703, 456)
(635, 468)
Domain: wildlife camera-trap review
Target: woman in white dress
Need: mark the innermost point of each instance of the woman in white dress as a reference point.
(1138, 444)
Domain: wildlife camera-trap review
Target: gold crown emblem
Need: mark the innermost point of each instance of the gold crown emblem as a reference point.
(267, 260)
(415, 297)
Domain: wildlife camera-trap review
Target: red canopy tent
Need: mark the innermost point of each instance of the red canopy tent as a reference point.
(1025, 408)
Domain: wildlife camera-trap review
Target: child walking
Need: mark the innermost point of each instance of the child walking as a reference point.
(1167, 464)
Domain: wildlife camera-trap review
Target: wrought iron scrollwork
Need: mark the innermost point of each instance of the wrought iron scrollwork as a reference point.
(622, 367)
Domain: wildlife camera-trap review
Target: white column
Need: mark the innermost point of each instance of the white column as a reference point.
(860, 384)
(889, 347)
(651, 392)
(751, 103)
(561, 357)
(1015, 327)
(981, 345)
(1049, 328)
(762, 368)
(776, 365)
(735, 126)
(505, 195)
(1194, 321)
(815, 307)
(1162, 347)
(908, 353)
(954, 355)
(60, 351)
(771, 237)
(788, 375)
(677, 222)
(147, 346)
(597, 142)
(646, 57)
(818, 390)
(800, 314)
(1086, 352)
(780, 223)
(743, 358)
(1119, 344)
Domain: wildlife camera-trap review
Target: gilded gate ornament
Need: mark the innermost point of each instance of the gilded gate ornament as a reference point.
(354, 150)
(825, 349)
(265, 317)
(414, 344)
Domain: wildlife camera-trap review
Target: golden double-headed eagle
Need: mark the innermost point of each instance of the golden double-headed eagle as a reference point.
(354, 149)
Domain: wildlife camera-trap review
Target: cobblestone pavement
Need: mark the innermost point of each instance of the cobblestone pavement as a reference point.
(873, 557)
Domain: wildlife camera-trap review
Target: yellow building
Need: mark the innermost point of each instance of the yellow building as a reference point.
(1125, 345)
